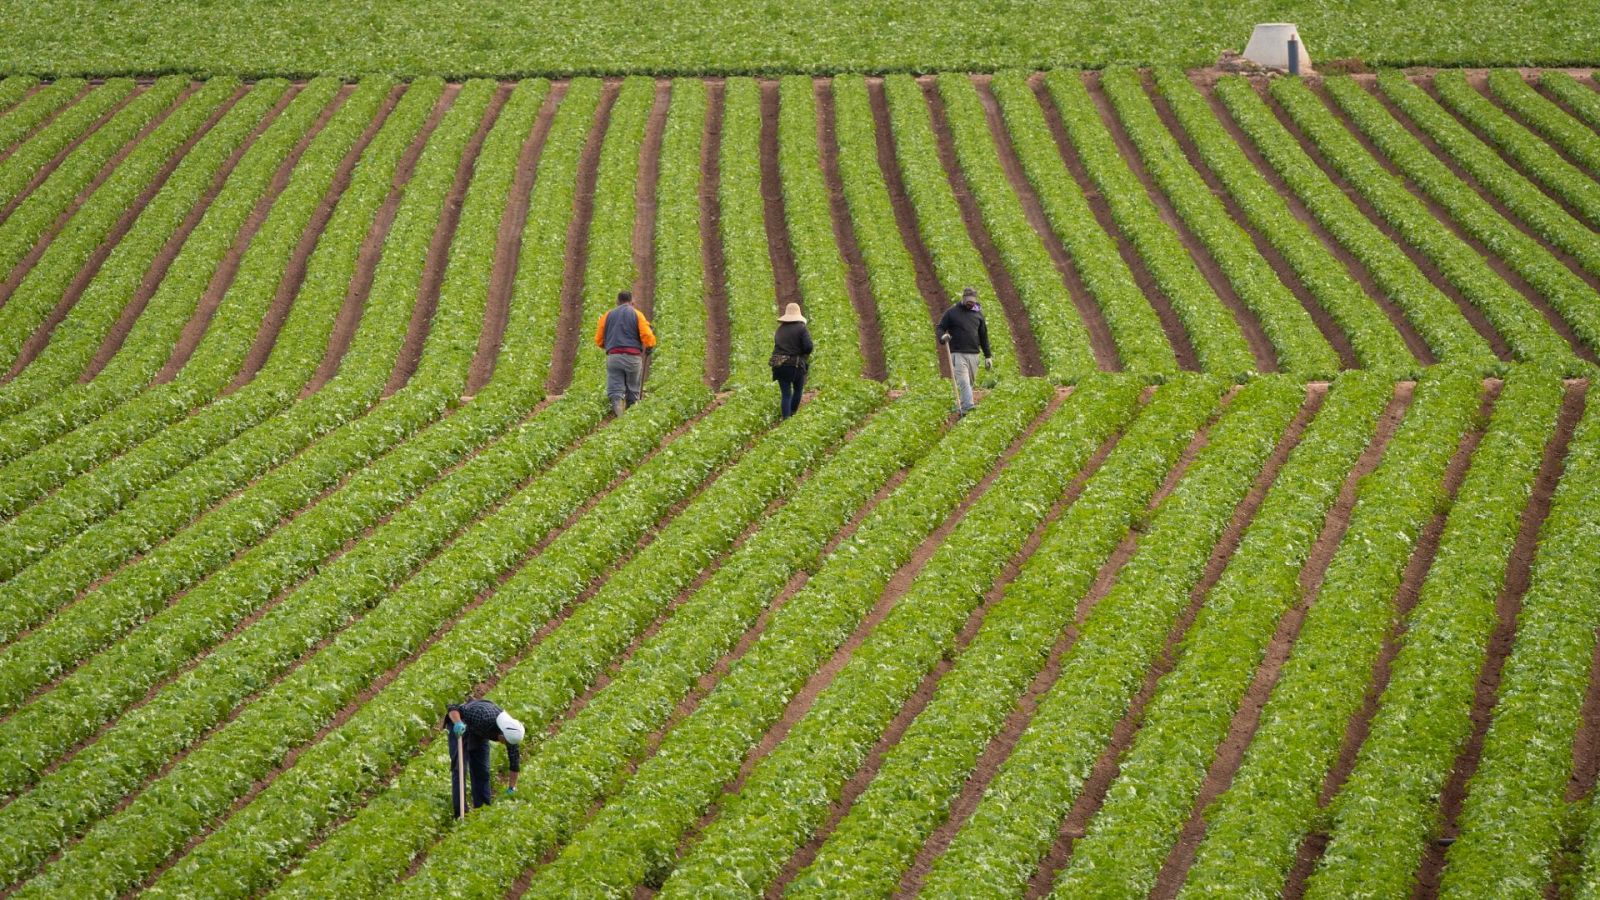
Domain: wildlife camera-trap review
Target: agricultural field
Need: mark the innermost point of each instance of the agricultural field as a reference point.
(1268, 564)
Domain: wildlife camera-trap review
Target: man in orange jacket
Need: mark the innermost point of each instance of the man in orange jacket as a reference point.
(624, 333)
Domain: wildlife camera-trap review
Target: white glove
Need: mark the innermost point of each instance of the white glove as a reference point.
(988, 362)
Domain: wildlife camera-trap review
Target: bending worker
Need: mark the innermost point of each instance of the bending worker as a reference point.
(624, 333)
(963, 330)
(472, 725)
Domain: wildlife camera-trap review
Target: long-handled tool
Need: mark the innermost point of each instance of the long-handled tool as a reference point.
(461, 775)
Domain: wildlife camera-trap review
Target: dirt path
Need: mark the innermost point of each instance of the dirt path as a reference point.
(857, 282)
(779, 247)
(1508, 606)
(508, 244)
(1359, 273)
(97, 258)
(1171, 325)
(645, 198)
(1247, 716)
(1094, 321)
(569, 325)
(716, 269)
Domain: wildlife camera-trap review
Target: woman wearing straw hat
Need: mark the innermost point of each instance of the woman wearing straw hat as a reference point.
(791, 357)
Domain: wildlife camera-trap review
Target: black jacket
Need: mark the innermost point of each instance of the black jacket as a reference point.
(793, 339)
(480, 718)
(969, 333)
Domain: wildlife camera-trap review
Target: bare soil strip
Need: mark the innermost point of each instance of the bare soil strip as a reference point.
(1027, 345)
(1171, 326)
(1247, 717)
(844, 235)
(1094, 321)
(716, 278)
(169, 251)
(568, 323)
(46, 121)
(779, 248)
(294, 273)
(645, 200)
(222, 277)
(371, 251)
(49, 168)
(508, 244)
(439, 250)
(1508, 605)
(26, 264)
(1260, 347)
(1416, 573)
(1285, 272)
(1408, 333)
(905, 216)
(97, 258)
(1473, 315)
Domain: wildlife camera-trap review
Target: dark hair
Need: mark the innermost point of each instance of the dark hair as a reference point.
(625, 296)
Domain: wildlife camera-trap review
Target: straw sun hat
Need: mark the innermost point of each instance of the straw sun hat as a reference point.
(791, 313)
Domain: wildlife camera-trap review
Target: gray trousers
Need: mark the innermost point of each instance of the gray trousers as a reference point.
(964, 369)
(624, 375)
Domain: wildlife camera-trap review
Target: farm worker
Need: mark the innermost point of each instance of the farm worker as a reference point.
(472, 725)
(964, 333)
(624, 333)
(791, 357)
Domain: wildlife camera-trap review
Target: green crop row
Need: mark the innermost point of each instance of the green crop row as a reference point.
(680, 311)
(1571, 135)
(921, 776)
(787, 796)
(1062, 335)
(1129, 315)
(1581, 100)
(1576, 301)
(580, 764)
(1301, 348)
(819, 267)
(998, 848)
(1529, 336)
(751, 290)
(908, 347)
(90, 224)
(956, 261)
(1382, 815)
(30, 111)
(1512, 820)
(1256, 825)
(1446, 331)
(700, 754)
(78, 122)
(1377, 345)
(13, 90)
(1217, 339)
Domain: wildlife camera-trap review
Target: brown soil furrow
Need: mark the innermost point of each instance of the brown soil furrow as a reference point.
(569, 324)
(1108, 766)
(91, 266)
(438, 260)
(294, 273)
(898, 586)
(1247, 716)
(857, 282)
(779, 247)
(169, 250)
(1330, 329)
(1171, 326)
(48, 119)
(1469, 311)
(222, 277)
(370, 253)
(386, 678)
(1586, 743)
(508, 244)
(26, 264)
(49, 168)
(1312, 847)
(1500, 266)
(1260, 347)
(905, 215)
(1027, 345)
(1359, 273)
(1508, 606)
(716, 280)
(1094, 321)
(930, 685)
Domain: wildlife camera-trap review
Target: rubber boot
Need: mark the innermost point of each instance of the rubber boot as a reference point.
(618, 407)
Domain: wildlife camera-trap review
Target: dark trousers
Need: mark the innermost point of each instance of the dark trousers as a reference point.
(791, 384)
(477, 750)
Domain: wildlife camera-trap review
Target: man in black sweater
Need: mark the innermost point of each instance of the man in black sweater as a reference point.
(964, 331)
(471, 726)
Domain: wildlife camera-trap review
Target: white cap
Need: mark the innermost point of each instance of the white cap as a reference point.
(510, 728)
